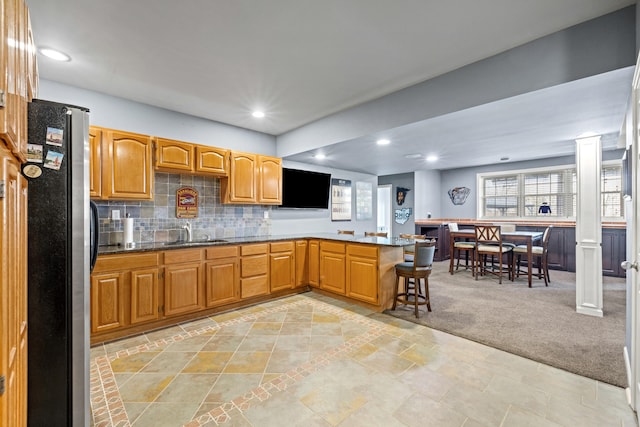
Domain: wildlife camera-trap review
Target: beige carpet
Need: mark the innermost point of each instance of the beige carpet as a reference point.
(538, 323)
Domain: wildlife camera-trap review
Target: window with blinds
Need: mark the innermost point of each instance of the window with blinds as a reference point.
(545, 192)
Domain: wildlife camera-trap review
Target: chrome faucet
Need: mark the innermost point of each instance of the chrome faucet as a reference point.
(187, 227)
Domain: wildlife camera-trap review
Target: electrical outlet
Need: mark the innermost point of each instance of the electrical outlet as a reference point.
(115, 214)
(266, 214)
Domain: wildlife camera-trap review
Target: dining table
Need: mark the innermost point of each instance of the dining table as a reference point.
(527, 238)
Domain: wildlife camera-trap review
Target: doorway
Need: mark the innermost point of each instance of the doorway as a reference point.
(384, 209)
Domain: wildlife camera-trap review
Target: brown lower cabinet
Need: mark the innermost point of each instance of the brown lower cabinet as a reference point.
(333, 267)
(222, 271)
(124, 291)
(183, 281)
(314, 263)
(362, 272)
(254, 266)
(144, 295)
(302, 263)
(282, 266)
(139, 291)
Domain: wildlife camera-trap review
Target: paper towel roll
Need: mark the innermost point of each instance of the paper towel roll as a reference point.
(128, 231)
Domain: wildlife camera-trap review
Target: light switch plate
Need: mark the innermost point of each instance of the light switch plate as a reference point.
(266, 214)
(115, 214)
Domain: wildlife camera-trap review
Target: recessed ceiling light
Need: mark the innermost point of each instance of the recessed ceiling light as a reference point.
(432, 158)
(383, 142)
(54, 54)
(413, 156)
(319, 156)
(258, 114)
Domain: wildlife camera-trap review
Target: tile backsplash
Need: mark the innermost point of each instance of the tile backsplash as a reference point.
(155, 220)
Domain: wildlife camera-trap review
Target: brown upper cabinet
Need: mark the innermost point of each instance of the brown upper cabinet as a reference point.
(185, 157)
(18, 75)
(173, 155)
(269, 180)
(211, 160)
(95, 167)
(124, 159)
(253, 179)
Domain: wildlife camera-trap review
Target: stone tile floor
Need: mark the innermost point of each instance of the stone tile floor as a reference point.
(311, 360)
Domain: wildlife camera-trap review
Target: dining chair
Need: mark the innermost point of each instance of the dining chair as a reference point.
(489, 243)
(418, 270)
(541, 253)
(352, 232)
(469, 249)
(375, 234)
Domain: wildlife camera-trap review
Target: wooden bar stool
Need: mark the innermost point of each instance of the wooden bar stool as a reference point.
(418, 270)
(457, 248)
(539, 252)
(489, 243)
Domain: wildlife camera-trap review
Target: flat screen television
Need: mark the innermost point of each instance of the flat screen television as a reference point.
(305, 189)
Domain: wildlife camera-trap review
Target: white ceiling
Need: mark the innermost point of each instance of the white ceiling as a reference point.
(302, 60)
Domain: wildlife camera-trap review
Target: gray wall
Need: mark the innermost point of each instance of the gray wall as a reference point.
(466, 177)
(597, 46)
(427, 195)
(405, 180)
(287, 221)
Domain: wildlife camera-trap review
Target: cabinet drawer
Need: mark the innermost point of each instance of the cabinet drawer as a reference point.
(120, 262)
(222, 252)
(362, 250)
(253, 249)
(182, 255)
(254, 265)
(254, 286)
(282, 247)
(338, 248)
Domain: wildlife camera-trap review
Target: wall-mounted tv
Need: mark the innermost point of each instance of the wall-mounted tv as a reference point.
(305, 189)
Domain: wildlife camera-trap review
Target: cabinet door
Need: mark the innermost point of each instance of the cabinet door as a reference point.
(182, 288)
(32, 63)
(211, 160)
(314, 263)
(127, 171)
(613, 251)
(302, 263)
(107, 301)
(95, 165)
(362, 278)
(9, 115)
(255, 265)
(174, 156)
(144, 295)
(282, 271)
(254, 286)
(270, 180)
(332, 272)
(241, 185)
(13, 304)
(223, 282)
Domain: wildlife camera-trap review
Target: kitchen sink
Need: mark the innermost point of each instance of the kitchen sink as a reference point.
(195, 242)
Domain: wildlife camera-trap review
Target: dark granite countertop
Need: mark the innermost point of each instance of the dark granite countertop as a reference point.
(162, 246)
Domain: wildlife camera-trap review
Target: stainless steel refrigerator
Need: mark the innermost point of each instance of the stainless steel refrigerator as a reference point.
(60, 257)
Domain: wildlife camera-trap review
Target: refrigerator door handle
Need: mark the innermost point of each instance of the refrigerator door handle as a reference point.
(95, 234)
